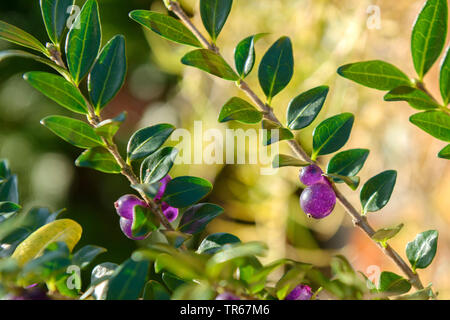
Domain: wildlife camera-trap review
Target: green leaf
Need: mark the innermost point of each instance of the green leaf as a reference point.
(384, 234)
(375, 194)
(290, 280)
(428, 35)
(436, 123)
(352, 181)
(128, 280)
(84, 256)
(347, 163)
(157, 165)
(444, 78)
(73, 131)
(445, 153)
(55, 14)
(144, 222)
(98, 159)
(422, 249)
(241, 111)
(196, 218)
(184, 191)
(393, 284)
(273, 132)
(332, 134)
(83, 41)
(424, 294)
(276, 68)
(16, 35)
(146, 141)
(214, 15)
(210, 62)
(166, 26)
(215, 242)
(283, 160)
(8, 207)
(375, 74)
(245, 55)
(304, 108)
(176, 238)
(155, 291)
(102, 272)
(108, 128)
(415, 97)
(108, 73)
(58, 89)
(9, 190)
(171, 281)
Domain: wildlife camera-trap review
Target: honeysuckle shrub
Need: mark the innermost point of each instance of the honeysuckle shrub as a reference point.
(39, 256)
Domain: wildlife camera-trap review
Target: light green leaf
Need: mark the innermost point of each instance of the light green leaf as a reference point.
(444, 78)
(16, 35)
(384, 234)
(210, 62)
(393, 284)
(273, 132)
(283, 160)
(445, 153)
(241, 111)
(214, 242)
(98, 159)
(108, 128)
(436, 123)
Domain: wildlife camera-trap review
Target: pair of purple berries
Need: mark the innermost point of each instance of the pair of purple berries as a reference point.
(125, 208)
(318, 199)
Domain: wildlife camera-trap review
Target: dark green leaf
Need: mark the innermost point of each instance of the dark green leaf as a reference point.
(214, 242)
(99, 159)
(73, 131)
(245, 55)
(166, 26)
(352, 181)
(424, 294)
(8, 207)
(303, 109)
(210, 62)
(128, 280)
(283, 160)
(429, 35)
(83, 41)
(436, 123)
(393, 284)
(157, 165)
(55, 14)
(155, 291)
(239, 110)
(102, 272)
(59, 90)
(15, 35)
(196, 218)
(108, 73)
(108, 128)
(445, 153)
(5, 171)
(273, 133)
(146, 141)
(383, 235)
(184, 191)
(375, 194)
(276, 68)
(23, 54)
(444, 78)
(332, 134)
(214, 15)
(9, 190)
(347, 163)
(375, 74)
(171, 281)
(415, 97)
(84, 256)
(422, 249)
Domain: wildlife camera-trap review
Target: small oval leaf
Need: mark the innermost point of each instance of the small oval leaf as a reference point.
(55, 14)
(348, 163)
(184, 191)
(98, 159)
(146, 141)
(210, 62)
(245, 55)
(422, 249)
(196, 218)
(304, 108)
(157, 165)
(435, 123)
(214, 14)
(375, 194)
(241, 111)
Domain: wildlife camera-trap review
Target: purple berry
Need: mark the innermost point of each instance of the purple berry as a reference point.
(171, 213)
(310, 175)
(318, 200)
(300, 292)
(125, 205)
(164, 181)
(227, 296)
(125, 226)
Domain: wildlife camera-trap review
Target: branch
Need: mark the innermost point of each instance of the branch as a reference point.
(358, 219)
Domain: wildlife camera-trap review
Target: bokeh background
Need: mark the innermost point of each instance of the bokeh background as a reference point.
(325, 35)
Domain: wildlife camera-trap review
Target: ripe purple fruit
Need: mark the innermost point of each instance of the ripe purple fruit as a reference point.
(227, 296)
(318, 200)
(300, 292)
(125, 205)
(311, 174)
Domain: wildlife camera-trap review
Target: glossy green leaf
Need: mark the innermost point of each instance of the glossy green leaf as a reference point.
(155, 291)
(83, 41)
(352, 181)
(276, 68)
(55, 14)
(108, 73)
(444, 77)
(9, 190)
(393, 284)
(196, 218)
(415, 97)
(429, 35)
(108, 128)
(166, 26)
(347, 163)
(210, 62)
(332, 134)
(241, 111)
(384, 234)
(84, 256)
(214, 15)
(422, 249)
(284, 160)
(304, 108)
(58, 89)
(274, 133)
(102, 272)
(146, 141)
(128, 280)
(8, 207)
(184, 191)
(436, 123)
(98, 159)
(214, 242)
(375, 74)
(245, 55)
(377, 191)
(445, 153)
(16, 35)
(157, 165)
(144, 222)
(73, 131)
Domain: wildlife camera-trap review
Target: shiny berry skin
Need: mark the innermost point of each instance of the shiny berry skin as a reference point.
(300, 292)
(310, 175)
(227, 296)
(125, 226)
(318, 200)
(125, 205)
